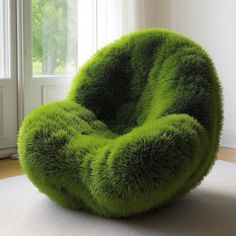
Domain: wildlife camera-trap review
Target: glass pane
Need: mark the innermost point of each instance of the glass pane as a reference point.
(54, 29)
(4, 39)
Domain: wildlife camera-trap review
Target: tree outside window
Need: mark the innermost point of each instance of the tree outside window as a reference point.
(55, 37)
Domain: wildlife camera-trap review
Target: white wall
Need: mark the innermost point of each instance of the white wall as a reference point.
(119, 17)
(212, 23)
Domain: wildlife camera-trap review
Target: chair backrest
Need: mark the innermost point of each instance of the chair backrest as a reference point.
(146, 75)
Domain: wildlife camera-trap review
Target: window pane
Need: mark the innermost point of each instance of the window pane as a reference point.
(54, 28)
(4, 39)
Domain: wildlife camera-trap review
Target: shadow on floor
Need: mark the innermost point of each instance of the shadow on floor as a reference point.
(199, 213)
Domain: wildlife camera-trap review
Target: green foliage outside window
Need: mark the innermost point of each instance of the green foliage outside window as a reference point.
(54, 29)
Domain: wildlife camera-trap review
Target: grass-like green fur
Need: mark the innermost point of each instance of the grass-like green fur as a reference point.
(140, 126)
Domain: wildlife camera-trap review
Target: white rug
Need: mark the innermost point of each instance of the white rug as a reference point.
(208, 210)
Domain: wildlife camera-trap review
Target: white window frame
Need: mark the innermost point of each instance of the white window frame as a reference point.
(8, 86)
(24, 45)
(24, 56)
(5, 39)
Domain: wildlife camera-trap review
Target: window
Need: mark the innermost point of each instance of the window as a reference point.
(5, 39)
(55, 37)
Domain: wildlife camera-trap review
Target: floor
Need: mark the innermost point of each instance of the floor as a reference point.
(11, 167)
(227, 154)
(208, 210)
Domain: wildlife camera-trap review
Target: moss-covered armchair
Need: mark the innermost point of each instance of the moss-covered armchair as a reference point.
(140, 126)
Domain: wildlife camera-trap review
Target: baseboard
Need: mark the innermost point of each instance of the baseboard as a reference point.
(7, 152)
(228, 139)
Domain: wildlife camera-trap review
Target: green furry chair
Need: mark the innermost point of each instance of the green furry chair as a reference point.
(140, 126)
